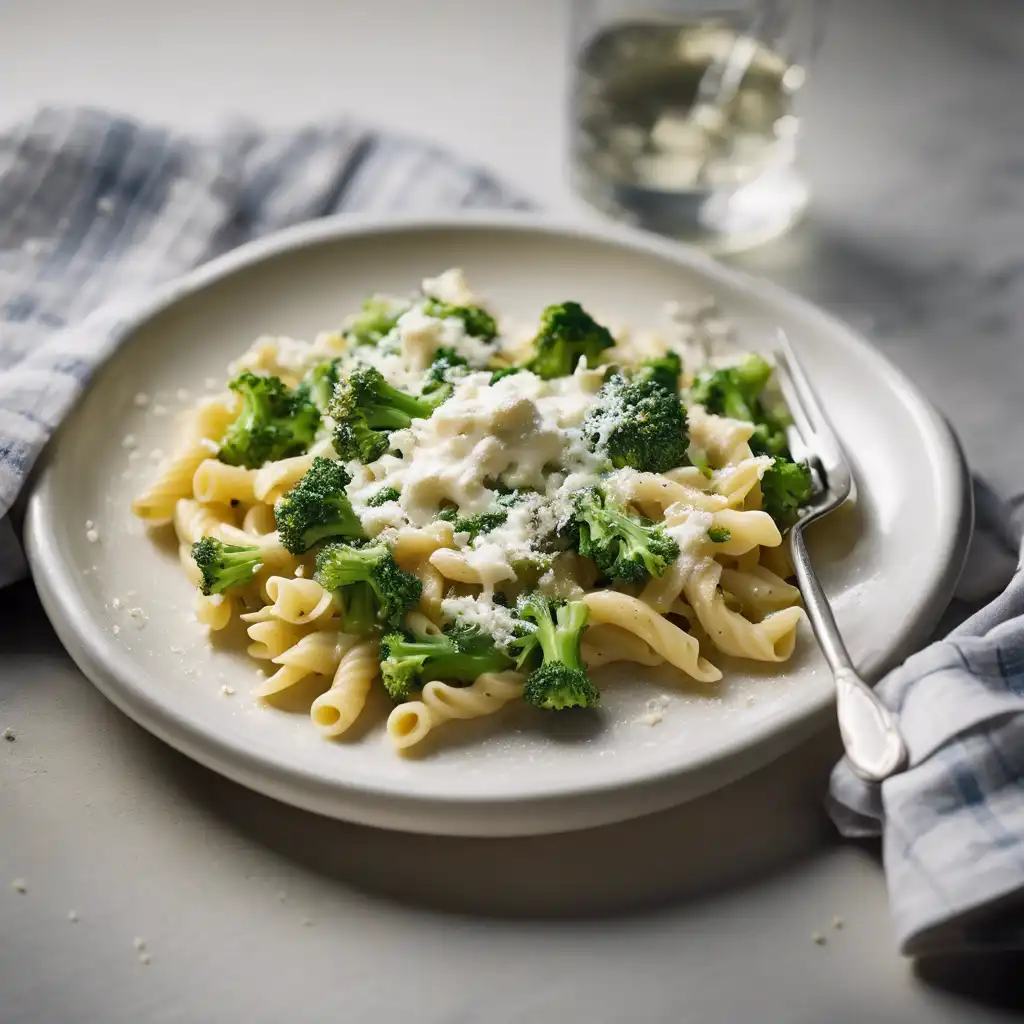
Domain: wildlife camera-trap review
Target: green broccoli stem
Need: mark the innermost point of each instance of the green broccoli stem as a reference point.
(359, 609)
(395, 409)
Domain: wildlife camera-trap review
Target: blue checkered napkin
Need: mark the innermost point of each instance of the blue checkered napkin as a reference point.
(952, 825)
(96, 208)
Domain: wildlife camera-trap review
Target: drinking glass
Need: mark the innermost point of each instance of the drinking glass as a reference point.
(684, 114)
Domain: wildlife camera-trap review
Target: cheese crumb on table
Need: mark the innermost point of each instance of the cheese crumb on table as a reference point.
(837, 923)
(129, 441)
(9, 734)
(92, 535)
(19, 885)
(818, 939)
(227, 690)
(145, 959)
(141, 399)
(139, 943)
(73, 916)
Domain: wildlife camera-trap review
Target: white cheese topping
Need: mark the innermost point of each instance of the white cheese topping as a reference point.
(450, 287)
(495, 619)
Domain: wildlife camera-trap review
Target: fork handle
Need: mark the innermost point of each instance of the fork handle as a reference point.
(873, 744)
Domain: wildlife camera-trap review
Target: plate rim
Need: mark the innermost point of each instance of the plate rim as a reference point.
(114, 673)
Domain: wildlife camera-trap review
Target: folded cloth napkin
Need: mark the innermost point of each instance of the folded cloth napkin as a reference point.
(952, 824)
(96, 209)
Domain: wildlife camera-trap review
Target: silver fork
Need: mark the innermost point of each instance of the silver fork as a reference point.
(874, 746)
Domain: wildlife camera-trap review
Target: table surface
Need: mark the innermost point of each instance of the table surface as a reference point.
(250, 910)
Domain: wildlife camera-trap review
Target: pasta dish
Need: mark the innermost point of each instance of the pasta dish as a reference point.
(475, 514)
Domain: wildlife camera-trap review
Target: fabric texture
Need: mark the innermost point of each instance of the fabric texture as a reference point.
(96, 209)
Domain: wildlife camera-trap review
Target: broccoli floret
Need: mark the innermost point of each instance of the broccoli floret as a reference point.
(560, 681)
(383, 496)
(317, 508)
(378, 316)
(719, 534)
(318, 385)
(785, 487)
(372, 589)
(624, 547)
(459, 654)
(506, 371)
(567, 334)
(477, 321)
(224, 565)
(735, 391)
(662, 370)
(638, 424)
(366, 408)
(274, 422)
(482, 522)
(445, 361)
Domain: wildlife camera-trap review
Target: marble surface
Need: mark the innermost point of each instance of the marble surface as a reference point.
(250, 910)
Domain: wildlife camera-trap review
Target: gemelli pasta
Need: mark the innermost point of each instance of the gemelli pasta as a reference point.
(472, 516)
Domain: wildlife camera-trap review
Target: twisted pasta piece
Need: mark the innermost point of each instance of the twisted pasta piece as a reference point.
(726, 441)
(409, 723)
(771, 639)
(214, 610)
(270, 637)
(298, 601)
(413, 545)
(202, 428)
(608, 643)
(314, 654)
(259, 520)
(215, 481)
(653, 493)
(675, 645)
(336, 710)
(275, 478)
(193, 521)
(759, 590)
(747, 529)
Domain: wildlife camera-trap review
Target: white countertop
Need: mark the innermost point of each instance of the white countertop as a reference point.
(252, 911)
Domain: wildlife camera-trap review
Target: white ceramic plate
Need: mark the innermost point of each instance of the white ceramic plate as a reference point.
(889, 563)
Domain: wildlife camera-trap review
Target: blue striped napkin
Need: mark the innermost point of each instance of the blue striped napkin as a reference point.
(96, 209)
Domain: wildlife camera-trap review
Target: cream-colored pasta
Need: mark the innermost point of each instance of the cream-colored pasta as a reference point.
(315, 654)
(214, 611)
(409, 723)
(270, 637)
(653, 493)
(725, 441)
(299, 601)
(188, 563)
(725, 589)
(607, 643)
(771, 639)
(201, 429)
(412, 545)
(432, 593)
(337, 709)
(747, 530)
(215, 481)
(259, 520)
(193, 521)
(454, 565)
(759, 590)
(274, 479)
(675, 645)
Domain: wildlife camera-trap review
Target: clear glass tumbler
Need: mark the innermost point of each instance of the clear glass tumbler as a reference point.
(684, 114)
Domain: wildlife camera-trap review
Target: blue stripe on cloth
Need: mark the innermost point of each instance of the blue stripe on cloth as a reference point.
(95, 207)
